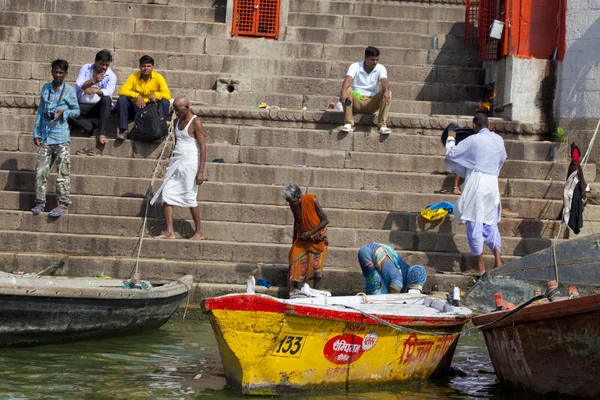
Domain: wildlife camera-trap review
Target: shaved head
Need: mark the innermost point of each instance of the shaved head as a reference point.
(182, 101)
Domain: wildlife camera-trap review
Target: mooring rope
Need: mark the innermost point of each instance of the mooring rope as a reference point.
(513, 312)
(150, 189)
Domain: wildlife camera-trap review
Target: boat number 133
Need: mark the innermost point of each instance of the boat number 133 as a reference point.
(290, 346)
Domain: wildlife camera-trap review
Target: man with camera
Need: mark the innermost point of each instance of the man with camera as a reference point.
(360, 91)
(58, 103)
(95, 85)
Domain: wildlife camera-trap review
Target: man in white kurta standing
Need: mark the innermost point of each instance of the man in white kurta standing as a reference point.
(186, 169)
(478, 159)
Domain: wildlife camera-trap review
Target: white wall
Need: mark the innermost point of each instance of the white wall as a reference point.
(518, 86)
(578, 83)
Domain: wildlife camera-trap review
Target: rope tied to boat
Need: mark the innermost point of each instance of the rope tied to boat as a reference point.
(170, 136)
(433, 333)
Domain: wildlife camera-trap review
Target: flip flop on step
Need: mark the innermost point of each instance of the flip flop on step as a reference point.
(82, 152)
(57, 212)
(94, 152)
(37, 209)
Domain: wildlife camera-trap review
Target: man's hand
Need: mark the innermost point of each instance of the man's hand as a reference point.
(152, 98)
(36, 141)
(200, 178)
(93, 90)
(58, 115)
(98, 77)
(140, 101)
(343, 97)
(387, 96)
(452, 134)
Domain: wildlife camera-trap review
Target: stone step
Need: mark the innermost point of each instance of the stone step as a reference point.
(349, 53)
(85, 168)
(159, 10)
(374, 38)
(104, 10)
(241, 232)
(20, 117)
(320, 103)
(129, 47)
(353, 23)
(86, 205)
(111, 27)
(319, 92)
(223, 251)
(333, 175)
(387, 9)
(242, 67)
(258, 194)
(207, 273)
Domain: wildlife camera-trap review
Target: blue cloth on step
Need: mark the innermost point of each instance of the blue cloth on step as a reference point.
(263, 282)
(442, 204)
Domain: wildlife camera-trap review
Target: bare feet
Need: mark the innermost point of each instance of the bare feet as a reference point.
(198, 236)
(456, 190)
(165, 235)
(102, 139)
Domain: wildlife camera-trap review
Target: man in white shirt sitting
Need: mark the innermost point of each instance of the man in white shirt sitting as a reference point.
(360, 91)
(95, 85)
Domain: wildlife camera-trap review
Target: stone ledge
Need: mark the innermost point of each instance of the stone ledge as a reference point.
(327, 117)
(453, 2)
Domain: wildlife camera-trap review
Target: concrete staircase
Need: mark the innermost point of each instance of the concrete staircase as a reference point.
(371, 187)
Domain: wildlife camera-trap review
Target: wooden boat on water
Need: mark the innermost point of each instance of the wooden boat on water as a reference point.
(548, 348)
(39, 310)
(274, 346)
(578, 263)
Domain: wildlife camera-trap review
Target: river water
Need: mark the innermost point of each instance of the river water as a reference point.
(181, 361)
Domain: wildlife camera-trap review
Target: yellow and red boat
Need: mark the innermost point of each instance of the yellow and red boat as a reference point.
(274, 346)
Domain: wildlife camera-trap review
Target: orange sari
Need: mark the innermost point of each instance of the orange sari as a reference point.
(306, 257)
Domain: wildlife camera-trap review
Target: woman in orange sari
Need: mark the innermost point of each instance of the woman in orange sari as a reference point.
(309, 242)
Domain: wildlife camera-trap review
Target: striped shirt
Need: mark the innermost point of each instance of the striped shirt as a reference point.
(64, 98)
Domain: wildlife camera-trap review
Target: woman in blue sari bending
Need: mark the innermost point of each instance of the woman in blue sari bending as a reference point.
(384, 270)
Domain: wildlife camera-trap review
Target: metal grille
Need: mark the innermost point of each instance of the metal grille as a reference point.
(488, 47)
(256, 18)
(472, 22)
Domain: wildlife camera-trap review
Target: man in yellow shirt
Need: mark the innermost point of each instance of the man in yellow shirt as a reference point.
(146, 86)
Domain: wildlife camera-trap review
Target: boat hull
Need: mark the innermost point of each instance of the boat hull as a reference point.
(548, 348)
(269, 349)
(576, 261)
(36, 312)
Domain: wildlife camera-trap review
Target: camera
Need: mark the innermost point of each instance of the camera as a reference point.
(49, 115)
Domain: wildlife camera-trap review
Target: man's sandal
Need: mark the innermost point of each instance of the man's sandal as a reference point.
(456, 190)
(82, 152)
(37, 209)
(57, 212)
(94, 152)
(384, 130)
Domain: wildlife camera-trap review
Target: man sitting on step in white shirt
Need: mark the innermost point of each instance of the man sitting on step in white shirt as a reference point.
(95, 86)
(360, 91)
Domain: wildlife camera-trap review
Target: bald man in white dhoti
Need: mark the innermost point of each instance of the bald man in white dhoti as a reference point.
(186, 169)
(478, 159)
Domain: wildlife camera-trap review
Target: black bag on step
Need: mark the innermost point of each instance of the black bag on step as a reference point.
(150, 124)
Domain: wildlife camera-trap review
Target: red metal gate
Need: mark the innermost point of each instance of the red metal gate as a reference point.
(479, 16)
(489, 10)
(256, 18)
(472, 22)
